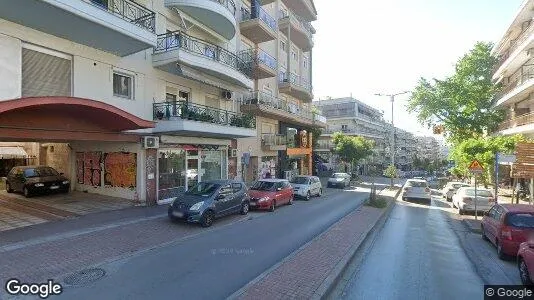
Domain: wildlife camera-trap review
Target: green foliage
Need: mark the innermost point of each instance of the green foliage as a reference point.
(391, 172)
(316, 133)
(378, 202)
(463, 102)
(352, 149)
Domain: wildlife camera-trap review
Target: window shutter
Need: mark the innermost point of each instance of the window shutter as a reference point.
(45, 75)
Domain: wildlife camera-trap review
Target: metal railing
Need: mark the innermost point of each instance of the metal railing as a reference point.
(304, 26)
(262, 15)
(271, 139)
(276, 103)
(129, 11)
(229, 4)
(179, 40)
(258, 57)
(517, 121)
(294, 79)
(196, 112)
(523, 36)
(522, 75)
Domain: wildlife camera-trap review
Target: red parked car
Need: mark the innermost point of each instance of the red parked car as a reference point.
(507, 226)
(525, 262)
(270, 193)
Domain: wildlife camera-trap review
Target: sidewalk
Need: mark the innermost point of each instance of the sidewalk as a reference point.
(313, 269)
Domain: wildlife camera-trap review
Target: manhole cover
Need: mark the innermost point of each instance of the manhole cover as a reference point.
(85, 276)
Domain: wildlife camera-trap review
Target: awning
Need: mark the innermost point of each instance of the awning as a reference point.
(12, 152)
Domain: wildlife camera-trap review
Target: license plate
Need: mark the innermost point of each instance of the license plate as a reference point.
(54, 187)
(178, 214)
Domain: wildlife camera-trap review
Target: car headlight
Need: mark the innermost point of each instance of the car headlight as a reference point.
(197, 205)
(65, 182)
(263, 199)
(39, 184)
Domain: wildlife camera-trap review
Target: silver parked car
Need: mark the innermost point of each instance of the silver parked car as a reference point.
(307, 186)
(450, 189)
(339, 180)
(464, 200)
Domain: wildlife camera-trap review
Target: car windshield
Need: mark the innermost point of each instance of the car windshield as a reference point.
(416, 184)
(338, 175)
(263, 186)
(300, 180)
(40, 172)
(204, 189)
(480, 193)
(524, 220)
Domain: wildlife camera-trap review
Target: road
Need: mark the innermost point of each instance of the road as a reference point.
(219, 261)
(417, 255)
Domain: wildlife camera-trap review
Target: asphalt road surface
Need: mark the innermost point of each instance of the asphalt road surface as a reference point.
(219, 261)
(417, 255)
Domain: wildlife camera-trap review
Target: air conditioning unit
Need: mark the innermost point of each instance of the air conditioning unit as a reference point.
(227, 94)
(151, 142)
(232, 152)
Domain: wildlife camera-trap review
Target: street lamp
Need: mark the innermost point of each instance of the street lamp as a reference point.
(392, 99)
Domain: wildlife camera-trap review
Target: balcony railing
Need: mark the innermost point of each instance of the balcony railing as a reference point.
(295, 80)
(356, 131)
(129, 11)
(514, 44)
(178, 40)
(276, 103)
(196, 112)
(229, 4)
(305, 26)
(522, 75)
(260, 56)
(262, 15)
(517, 121)
(273, 140)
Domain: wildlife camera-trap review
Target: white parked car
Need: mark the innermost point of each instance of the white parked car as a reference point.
(339, 180)
(464, 200)
(450, 189)
(307, 186)
(416, 189)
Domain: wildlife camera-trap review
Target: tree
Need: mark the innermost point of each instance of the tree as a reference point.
(464, 102)
(391, 172)
(352, 149)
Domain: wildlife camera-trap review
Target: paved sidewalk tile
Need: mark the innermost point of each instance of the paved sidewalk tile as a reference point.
(301, 275)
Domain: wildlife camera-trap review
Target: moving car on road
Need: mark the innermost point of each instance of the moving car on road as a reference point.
(450, 189)
(339, 180)
(31, 180)
(270, 193)
(209, 200)
(464, 200)
(507, 226)
(307, 186)
(416, 189)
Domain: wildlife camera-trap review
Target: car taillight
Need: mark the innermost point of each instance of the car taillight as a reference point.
(506, 233)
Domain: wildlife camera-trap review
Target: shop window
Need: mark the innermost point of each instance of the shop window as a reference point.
(122, 85)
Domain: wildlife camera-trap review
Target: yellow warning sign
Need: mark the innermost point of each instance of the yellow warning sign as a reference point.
(476, 167)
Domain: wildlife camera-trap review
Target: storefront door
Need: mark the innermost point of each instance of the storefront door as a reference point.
(172, 175)
(193, 174)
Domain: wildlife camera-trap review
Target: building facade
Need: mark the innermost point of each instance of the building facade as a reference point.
(142, 99)
(515, 71)
(428, 148)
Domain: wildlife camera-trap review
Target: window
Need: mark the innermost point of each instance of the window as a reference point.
(183, 95)
(170, 97)
(283, 45)
(226, 190)
(294, 55)
(305, 63)
(344, 127)
(122, 85)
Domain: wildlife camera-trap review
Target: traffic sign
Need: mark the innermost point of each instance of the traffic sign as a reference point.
(476, 167)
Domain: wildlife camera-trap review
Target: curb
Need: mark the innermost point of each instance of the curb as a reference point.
(328, 285)
(470, 228)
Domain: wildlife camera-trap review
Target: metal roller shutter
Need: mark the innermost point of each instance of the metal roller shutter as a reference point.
(45, 75)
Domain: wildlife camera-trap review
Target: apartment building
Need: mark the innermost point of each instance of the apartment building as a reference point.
(428, 148)
(515, 71)
(142, 99)
(277, 38)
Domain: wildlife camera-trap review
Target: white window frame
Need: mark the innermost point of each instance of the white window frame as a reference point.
(132, 84)
(283, 46)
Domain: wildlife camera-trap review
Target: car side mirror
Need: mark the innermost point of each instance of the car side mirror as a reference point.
(279, 189)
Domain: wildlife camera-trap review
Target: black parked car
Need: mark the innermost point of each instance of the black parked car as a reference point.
(209, 200)
(31, 180)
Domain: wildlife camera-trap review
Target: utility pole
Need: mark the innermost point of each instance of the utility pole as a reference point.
(392, 99)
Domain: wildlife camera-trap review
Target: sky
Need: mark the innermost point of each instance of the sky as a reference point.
(364, 47)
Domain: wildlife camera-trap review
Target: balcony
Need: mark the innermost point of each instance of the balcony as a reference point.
(520, 86)
(258, 26)
(120, 27)
(304, 8)
(295, 86)
(262, 104)
(263, 64)
(274, 142)
(191, 119)
(301, 31)
(175, 50)
(514, 45)
(357, 132)
(217, 15)
(522, 124)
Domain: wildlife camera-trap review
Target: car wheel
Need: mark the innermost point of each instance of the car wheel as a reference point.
(483, 233)
(308, 196)
(290, 201)
(207, 219)
(244, 208)
(26, 192)
(8, 188)
(273, 206)
(523, 272)
(500, 252)
(320, 193)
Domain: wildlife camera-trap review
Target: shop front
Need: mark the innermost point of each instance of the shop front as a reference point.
(297, 159)
(181, 166)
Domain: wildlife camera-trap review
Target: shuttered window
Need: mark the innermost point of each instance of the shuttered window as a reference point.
(45, 75)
